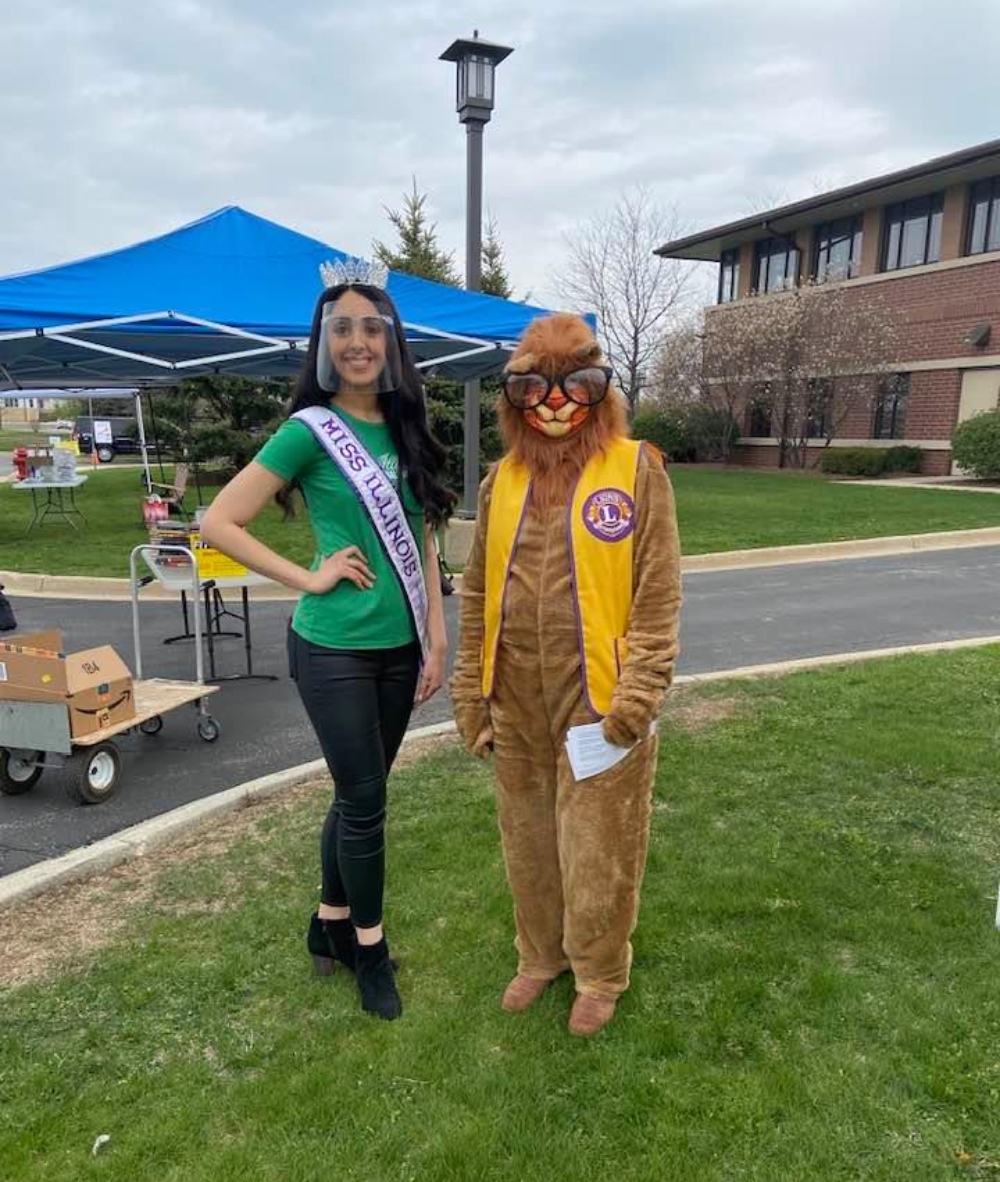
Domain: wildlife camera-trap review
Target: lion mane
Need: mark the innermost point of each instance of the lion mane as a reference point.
(551, 346)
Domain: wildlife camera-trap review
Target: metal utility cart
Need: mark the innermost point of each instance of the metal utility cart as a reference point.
(35, 735)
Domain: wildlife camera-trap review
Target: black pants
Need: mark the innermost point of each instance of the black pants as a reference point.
(359, 702)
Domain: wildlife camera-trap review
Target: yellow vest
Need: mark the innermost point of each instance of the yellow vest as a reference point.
(601, 528)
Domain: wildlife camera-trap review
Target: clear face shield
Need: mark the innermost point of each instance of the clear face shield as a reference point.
(357, 350)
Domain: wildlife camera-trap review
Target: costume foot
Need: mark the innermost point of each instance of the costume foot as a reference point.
(522, 993)
(591, 1014)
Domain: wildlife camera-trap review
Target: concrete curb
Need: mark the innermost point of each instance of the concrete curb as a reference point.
(32, 586)
(781, 668)
(959, 539)
(146, 836)
(936, 483)
(115, 590)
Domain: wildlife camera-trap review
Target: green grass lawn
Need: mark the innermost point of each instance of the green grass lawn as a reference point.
(718, 510)
(814, 994)
(740, 510)
(112, 503)
(11, 437)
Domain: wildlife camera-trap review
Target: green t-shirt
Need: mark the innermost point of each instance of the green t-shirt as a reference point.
(347, 616)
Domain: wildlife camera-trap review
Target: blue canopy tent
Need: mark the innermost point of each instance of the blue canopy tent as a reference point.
(231, 293)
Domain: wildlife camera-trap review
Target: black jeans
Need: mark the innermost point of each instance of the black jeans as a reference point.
(359, 702)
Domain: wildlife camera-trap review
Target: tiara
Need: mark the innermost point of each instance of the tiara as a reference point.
(347, 271)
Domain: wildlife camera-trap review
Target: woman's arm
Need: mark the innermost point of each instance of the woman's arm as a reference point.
(242, 500)
(432, 677)
(437, 634)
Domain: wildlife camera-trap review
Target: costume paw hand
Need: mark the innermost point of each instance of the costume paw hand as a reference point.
(618, 732)
(472, 717)
(482, 748)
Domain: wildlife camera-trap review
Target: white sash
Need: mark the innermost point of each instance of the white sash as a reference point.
(381, 502)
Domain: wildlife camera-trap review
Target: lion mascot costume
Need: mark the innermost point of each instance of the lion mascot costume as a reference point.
(569, 615)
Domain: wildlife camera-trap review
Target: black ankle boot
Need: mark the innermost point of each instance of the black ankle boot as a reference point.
(377, 981)
(330, 940)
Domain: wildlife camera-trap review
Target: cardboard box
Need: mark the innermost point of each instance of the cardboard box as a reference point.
(95, 684)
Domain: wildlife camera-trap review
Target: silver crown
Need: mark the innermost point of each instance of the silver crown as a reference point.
(348, 271)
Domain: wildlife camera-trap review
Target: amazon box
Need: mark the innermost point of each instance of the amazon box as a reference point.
(95, 685)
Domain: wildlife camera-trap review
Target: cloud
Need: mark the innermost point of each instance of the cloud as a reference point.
(121, 122)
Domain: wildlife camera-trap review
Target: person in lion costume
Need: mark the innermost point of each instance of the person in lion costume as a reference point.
(569, 615)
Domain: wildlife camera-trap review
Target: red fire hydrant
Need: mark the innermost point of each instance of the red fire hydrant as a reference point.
(20, 457)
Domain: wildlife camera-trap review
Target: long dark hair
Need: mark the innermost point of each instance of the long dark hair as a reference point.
(421, 457)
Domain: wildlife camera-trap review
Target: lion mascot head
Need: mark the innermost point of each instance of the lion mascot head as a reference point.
(559, 407)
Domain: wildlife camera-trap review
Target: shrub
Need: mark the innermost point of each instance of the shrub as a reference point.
(870, 461)
(714, 433)
(903, 459)
(668, 429)
(976, 445)
(855, 461)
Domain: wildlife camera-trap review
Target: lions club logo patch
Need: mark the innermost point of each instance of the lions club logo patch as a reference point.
(609, 514)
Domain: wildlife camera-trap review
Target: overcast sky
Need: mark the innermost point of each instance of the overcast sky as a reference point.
(124, 120)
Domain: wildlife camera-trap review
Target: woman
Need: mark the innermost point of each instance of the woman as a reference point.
(368, 636)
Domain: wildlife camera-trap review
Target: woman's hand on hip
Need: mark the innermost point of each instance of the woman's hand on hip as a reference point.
(432, 674)
(349, 564)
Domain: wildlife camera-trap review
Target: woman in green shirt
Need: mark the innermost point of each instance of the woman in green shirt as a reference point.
(368, 635)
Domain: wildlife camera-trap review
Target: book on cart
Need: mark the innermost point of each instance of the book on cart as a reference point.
(211, 563)
(172, 533)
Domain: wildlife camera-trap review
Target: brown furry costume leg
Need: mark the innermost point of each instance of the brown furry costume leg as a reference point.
(604, 834)
(527, 789)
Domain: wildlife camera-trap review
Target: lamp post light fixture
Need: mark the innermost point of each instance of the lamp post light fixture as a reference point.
(475, 90)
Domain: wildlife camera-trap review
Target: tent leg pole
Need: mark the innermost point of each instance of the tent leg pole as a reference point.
(93, 434)
(142, 442)
(471, 483)
(156, 438)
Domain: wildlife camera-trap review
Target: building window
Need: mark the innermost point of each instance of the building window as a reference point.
(819, 408)
(913, 232)
(838, 250)
(776, 265)
(729, 276)
(984, 217)
(890, 406)
(759, 413)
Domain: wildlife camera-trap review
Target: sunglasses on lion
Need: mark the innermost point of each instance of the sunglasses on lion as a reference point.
(584, 387)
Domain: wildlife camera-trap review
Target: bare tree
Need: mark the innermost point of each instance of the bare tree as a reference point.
(803, 359)
(611, 270)
(676, 371)
(765, 198)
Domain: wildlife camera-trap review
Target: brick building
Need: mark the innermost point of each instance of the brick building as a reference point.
(929, 238)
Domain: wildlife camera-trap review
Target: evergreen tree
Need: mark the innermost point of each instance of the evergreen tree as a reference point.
(214, 418)
(417, 251)
(446, 414)
(495, 280)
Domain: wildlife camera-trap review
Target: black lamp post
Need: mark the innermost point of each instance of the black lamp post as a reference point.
(476, 61)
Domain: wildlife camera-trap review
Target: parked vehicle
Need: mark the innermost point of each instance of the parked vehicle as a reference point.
(124, 437)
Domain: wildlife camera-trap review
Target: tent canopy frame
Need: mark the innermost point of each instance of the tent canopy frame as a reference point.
(66, 334)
